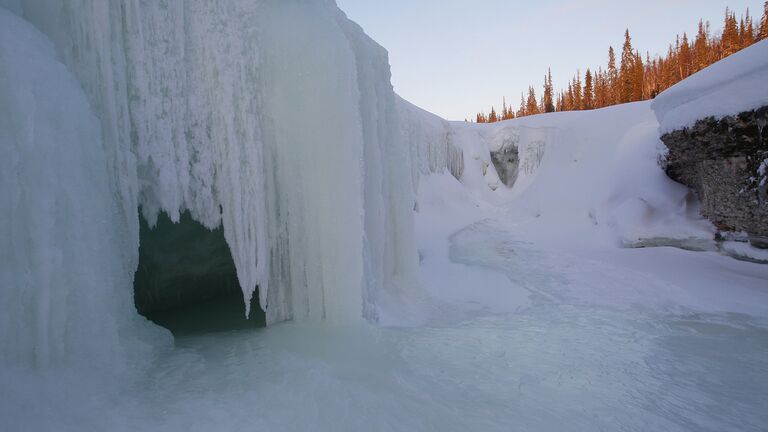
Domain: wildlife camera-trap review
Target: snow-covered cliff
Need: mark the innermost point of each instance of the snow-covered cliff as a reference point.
(728, 87)
(714, 127)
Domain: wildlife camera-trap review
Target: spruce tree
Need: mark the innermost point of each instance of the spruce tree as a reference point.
(532, 105)
(504, 109)
(601, 99)
(626, 71)
(764, 23)
(685, 58)
(701, 48)
(638, 78)
(578, 97)
(730, 38)
(613, 78)
(588, 97)
(649, 81)
(549, 105)
(746, 31)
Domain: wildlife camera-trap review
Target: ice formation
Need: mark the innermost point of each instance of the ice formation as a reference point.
(301, 151)
(50, 141)
(221, 108)
(432, 142)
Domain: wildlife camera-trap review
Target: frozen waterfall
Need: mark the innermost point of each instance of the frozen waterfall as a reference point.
(275, 120)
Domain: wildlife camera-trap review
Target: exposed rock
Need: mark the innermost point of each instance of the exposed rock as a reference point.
(507, 162)
(725, 162)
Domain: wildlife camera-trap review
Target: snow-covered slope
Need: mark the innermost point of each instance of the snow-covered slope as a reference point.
(590, 205)
(730, 86)
(582, 175)
(596, 174)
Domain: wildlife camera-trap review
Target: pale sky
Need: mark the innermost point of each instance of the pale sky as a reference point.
(457, 57)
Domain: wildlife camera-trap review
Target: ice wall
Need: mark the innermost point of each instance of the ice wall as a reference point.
(432, 142)
(461, 149)
(274, 119)
(65, 289)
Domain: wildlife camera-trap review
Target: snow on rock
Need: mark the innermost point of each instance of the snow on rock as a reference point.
(217, 108)
(744, 250)
(728, 87)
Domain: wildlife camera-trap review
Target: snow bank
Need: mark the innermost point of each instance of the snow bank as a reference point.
(730, 86)
(217, 108)
(599, 177)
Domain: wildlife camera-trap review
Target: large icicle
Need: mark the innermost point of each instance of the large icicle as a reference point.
(313, 140)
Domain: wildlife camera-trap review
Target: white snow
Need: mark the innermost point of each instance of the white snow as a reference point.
(590, 183)
(745, 250)
(728, 87)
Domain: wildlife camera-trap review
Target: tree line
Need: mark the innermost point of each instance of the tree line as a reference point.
(631, 78)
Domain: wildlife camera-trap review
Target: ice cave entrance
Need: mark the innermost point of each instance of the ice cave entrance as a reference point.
(186, 279)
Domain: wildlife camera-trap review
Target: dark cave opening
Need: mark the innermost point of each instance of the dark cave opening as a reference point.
(186, 279)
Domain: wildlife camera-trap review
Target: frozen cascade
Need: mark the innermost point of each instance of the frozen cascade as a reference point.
(432, 141)
(212, 108)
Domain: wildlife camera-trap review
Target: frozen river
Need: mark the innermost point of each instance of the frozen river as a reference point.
(562, 363)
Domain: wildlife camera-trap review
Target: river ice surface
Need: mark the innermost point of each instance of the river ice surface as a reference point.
(561, 363)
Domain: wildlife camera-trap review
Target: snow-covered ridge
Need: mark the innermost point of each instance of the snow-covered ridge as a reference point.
(728, 87)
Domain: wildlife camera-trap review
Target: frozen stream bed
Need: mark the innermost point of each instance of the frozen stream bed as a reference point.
(558, 362)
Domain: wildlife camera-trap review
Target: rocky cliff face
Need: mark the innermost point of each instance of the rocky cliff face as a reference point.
(725, 162)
